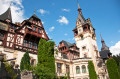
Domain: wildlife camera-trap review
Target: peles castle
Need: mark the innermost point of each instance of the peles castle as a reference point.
(16, 38)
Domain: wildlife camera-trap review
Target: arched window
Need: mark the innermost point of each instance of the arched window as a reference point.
(77, 69)
(83, 69)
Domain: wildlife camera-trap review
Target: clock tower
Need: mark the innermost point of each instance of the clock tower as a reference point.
(85, 38)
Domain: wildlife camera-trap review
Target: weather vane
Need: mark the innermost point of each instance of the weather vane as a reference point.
(34, 11)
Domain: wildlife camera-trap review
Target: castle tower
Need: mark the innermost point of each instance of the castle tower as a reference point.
(85, 38)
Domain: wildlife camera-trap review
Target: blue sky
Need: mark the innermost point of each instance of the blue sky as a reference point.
(59, 17)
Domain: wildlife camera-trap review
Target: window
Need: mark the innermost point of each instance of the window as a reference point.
(85, 28)
(77, 69)
(59, 67)
(25, 43)
(82, 37)
(30, 44)
(84, 47)
(67, 69)
(1, 36)
(32, 62)
(34, 28)
(39, 30)
(85, 55)
(35, 46)
(83, 69)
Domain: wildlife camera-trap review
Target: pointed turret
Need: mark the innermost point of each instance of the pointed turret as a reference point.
(6, 15)
(35, 16)
(104, 47)
(80, 16)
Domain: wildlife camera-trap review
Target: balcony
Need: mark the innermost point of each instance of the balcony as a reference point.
(23, 48)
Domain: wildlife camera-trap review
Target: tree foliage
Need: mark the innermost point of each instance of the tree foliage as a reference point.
(117, 59)
(9, 69)
(46, 62)
(25, 62)
(112, 69)
(92, 73)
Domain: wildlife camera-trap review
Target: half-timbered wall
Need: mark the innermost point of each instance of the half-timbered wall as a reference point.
(10, 40)
(19, 40)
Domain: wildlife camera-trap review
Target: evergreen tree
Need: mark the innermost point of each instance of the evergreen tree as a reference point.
(112, 69)
(117, 59)
(119, 68)
(92, 73)
(25, 62)
(46, 61)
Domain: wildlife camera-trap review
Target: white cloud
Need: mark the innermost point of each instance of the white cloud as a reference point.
(65, 34)
(43, 22)
(73, 38)
(63, 20)
(66, 10)
(42, 11)
(17, 9)
(119, 31)
(111, 42)
(115, 49)
(51, 28)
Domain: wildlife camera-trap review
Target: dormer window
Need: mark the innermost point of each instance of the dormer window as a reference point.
(39, 30)
(84, 47)
(34, 28)
(82, 37)
(76, 33)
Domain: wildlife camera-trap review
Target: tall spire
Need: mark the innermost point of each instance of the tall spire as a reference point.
(80, 16)
(78, 5)
(101, 38)
(104, 47)
(34, 11)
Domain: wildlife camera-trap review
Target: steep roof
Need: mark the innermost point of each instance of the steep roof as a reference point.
(34, 15)
(104, 54)
(6, 15)
(67, 44)
(104, 47)
(80, 16)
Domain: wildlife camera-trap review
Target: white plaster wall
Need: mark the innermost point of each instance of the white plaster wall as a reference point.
(10, 54)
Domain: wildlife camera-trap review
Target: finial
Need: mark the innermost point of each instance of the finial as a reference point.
(10, 4)
(78, 5)
(101, 37)
(34, 11)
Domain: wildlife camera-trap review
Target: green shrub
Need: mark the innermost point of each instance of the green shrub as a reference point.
(10, 71)
(112, 69)
(46, 62)
(92, 73)
(25, 62)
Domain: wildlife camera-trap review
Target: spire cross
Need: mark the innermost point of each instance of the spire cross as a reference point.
(34, 11)
(78, 5)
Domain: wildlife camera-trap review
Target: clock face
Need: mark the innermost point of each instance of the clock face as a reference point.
(79, 30)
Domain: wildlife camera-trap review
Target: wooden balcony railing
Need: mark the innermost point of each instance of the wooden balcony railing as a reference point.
(23, 48)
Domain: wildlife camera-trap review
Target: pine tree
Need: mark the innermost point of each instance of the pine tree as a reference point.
(25, 62)
(92, 73)
(46, 61)
(112, 69)
(119, 68)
